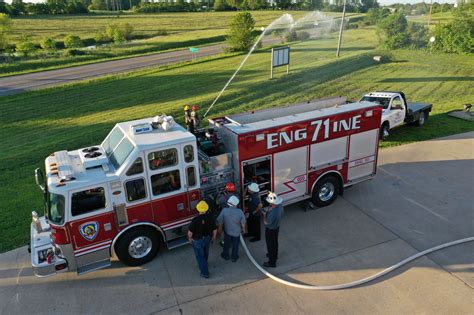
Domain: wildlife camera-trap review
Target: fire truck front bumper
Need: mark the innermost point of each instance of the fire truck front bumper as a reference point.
(46, 258)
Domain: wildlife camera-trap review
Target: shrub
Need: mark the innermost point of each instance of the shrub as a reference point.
(291, 35)
(375, 15)
(241, 36)
(119, 33)
(73, 41)
(393, 31)
(5, 26)
(48, 44)
(303, 35)
(73, 52)
(25, 46)
(456, 36)
(219, 5)
(418, 34)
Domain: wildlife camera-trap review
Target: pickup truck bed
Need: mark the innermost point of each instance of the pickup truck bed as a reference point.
(414, 110)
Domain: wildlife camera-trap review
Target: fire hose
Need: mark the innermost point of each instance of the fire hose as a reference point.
(357, 282)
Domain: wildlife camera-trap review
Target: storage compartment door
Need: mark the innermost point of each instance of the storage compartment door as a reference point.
(290, 173)
(363, 147)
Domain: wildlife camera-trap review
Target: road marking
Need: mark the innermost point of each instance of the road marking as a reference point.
(427, 209)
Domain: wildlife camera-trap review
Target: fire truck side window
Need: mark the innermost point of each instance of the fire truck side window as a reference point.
(165, 182)
(191, 176)
(135, 189)
(188, 153)
(87, 201)
(162, 159)
(136, 168)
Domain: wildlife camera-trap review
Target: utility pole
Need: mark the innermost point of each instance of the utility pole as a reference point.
(429, 16)
(340, 30)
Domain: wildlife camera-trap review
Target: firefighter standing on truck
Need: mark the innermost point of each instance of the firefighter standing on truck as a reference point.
(229, 191)
(187, 118)
(272, 218)
(202, 231)
(254, 207)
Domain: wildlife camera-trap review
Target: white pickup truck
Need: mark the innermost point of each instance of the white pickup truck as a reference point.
(397, 111)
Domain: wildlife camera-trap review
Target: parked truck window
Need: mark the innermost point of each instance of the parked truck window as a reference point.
(56, 208)
(397, 103)
(112, 140)
(136, 168)
(188, 153)
(384, 101)
(165, 182)
(135, 189)
(191, 176)
(121, 153)
(163, 158)
(87, 201)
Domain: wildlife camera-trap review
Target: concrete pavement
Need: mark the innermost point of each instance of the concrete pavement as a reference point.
(422, 196)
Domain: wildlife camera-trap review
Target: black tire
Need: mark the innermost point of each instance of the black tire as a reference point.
(139, 235)
(384, 131)
(422, 119)
(320, 195)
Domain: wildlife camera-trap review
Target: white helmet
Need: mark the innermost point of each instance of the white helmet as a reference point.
(254, 187)
(273, 198)
(233, 201)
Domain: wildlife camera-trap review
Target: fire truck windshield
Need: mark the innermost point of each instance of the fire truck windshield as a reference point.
(112, 140)
(384, 101)
(55, 208)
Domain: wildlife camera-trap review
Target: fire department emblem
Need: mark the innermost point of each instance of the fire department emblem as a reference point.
(89, 230)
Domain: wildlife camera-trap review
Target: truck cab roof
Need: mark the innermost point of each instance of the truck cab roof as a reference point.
(385, 94)
(70, 170)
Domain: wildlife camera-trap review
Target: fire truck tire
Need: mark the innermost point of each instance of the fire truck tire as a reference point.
(326, 190)
(138, 246)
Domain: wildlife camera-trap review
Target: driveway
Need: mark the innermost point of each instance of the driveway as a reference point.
(422, 196)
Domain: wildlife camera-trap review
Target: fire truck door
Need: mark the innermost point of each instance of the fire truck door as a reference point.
(290, 172)
(92, 227)
(134, 205)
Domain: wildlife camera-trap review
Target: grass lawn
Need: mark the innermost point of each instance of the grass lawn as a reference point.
(183, 30)
(38, 123)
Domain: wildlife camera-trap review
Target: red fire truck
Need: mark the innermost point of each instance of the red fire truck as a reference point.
(137, 190)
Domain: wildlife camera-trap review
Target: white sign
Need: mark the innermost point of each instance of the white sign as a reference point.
(280, 56)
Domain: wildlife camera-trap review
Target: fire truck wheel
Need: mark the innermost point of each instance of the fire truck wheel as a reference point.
(138, 246)
(384, 131)
(326, 191)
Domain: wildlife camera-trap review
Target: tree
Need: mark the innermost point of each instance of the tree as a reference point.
(5, 26)
(73, 41)
(418, 34)
(19, 6)
(240, 36)
(255, 4)
(119, 33)
(25, 46)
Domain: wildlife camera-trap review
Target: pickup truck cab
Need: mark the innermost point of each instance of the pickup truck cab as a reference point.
(397, 111)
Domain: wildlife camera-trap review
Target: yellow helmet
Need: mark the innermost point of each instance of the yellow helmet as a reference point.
(202, 206)
(186, 107)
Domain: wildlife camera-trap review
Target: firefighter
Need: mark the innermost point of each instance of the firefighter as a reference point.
(187, 118)
(254, 207)
(271, 219)
(195, 120)
(222, 198)
(231, 221)
(202, 231)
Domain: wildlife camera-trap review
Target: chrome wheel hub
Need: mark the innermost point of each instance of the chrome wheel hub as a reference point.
(140, 247)
(326, 191)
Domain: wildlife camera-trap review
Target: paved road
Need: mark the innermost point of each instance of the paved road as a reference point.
(33, 81)
(422, 196)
